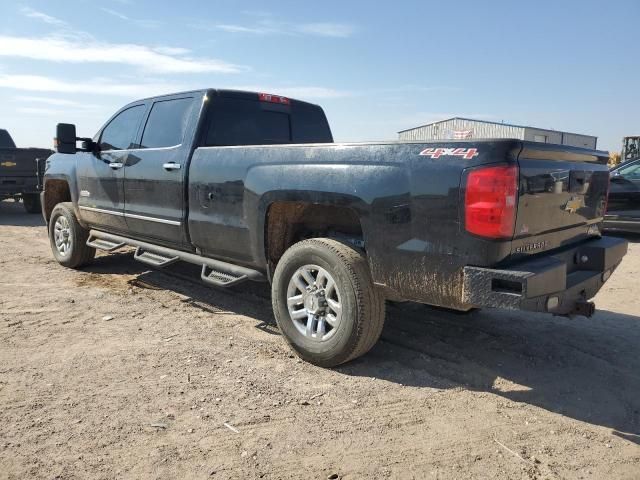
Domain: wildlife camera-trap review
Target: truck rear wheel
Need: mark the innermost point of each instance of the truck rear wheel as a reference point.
(31, 202)
(325, 303)
(68, 238)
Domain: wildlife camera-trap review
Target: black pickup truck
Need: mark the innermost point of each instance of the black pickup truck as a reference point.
(19, 168)
(251, 187)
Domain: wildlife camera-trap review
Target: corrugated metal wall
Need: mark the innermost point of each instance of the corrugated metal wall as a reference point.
(461, 128)
(551, 136)
(447, 129)
(577, 140)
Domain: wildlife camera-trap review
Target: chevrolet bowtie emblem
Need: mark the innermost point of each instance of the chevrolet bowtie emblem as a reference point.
(8, 164)
(574, 204)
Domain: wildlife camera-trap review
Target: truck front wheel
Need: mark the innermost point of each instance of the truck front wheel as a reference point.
(68, 238)
(325, 303)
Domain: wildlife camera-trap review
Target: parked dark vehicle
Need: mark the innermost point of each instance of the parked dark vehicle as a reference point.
(19, 172)
(251, 187)
(623, 210)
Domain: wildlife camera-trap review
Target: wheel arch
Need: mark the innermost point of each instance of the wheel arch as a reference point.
(56, 190)
(288, 221)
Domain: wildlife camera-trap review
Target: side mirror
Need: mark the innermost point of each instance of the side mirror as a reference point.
(65, 141)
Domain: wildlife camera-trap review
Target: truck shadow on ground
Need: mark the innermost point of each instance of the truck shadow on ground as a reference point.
(249, 299)
(586, 369)
(13, 214)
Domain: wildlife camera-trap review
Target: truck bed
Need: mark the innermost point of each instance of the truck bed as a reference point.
(410, 204)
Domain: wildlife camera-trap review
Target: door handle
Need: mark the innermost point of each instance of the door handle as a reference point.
(171, 166)
(116, 165)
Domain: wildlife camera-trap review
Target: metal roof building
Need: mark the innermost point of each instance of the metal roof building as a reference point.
(458, 128)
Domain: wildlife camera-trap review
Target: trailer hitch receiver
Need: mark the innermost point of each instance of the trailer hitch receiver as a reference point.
(584, 308)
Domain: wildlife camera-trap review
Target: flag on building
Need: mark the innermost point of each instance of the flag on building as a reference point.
(462, 134)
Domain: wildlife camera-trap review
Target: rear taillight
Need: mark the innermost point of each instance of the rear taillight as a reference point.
(490, 201)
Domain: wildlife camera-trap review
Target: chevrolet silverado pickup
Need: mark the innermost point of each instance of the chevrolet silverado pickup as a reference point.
(19, 169)
(251, 187)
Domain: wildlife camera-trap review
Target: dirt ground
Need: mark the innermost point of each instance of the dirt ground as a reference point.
(119, 371)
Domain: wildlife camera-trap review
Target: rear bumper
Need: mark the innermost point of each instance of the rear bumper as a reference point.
(10, 186)
(561, 283)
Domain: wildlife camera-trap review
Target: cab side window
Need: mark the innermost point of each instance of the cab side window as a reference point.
(120, 133)
(167, 123)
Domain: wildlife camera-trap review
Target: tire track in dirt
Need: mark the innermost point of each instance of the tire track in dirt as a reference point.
(79, 394)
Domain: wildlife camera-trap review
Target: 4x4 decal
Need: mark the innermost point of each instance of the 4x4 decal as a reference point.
(466, 153)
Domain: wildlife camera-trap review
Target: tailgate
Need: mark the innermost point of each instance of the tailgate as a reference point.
(562, 196)
(20, 162)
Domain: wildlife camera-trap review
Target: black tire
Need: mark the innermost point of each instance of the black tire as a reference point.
(77, 253)
(362, 305)
(31, 202)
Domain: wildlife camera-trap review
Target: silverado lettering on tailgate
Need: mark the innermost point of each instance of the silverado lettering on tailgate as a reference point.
(527, 247)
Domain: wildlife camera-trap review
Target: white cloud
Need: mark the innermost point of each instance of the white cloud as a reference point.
(39, 111)
(171, 50)
(268, 26)
(31, 13)
(138, 21)
(337, 30)
(37, 83)
(242, 29)
(119, 15)
(97, 86)
(38, 101)
(60, 49)
(60, 102)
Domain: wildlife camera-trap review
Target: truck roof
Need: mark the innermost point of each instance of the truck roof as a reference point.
(223, 92)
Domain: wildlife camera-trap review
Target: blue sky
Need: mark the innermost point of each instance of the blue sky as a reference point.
(376, 67)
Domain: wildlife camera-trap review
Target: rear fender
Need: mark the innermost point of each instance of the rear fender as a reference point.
(373, 192)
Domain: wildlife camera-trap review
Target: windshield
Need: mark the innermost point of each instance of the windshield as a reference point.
(629, 171)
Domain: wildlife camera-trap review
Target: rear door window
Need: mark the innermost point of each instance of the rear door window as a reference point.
(246, 122)
(167, 123)
(121, 131)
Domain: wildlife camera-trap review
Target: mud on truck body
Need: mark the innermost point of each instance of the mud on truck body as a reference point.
(251, 187)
